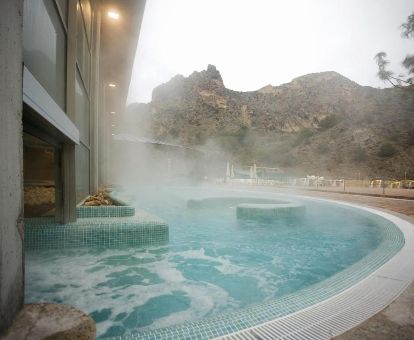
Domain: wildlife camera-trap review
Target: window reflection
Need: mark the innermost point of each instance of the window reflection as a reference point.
(87, 16)
(44, 47)
(83, 54)
(82, 110)
(63, 7)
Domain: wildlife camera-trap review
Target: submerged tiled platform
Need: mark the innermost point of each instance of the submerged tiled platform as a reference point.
(105, 211)
(214, 202)
(256, 322)
(98, 232)
(252, 208)
(269, 211)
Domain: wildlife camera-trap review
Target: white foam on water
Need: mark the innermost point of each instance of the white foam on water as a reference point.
(225, 265)
(81, 287)
(166, 271)
(273, 269)
(206, 299)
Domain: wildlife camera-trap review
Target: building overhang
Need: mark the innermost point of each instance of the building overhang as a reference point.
(119, 41)
(51, 115)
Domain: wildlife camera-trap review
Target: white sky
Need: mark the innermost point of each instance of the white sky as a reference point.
(258, 42)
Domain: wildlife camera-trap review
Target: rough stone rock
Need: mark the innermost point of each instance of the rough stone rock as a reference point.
(39, 195)
(283, 126)
(52, 322)
(101, 198)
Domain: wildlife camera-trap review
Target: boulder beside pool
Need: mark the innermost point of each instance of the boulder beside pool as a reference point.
(51, 321)
(252, 211)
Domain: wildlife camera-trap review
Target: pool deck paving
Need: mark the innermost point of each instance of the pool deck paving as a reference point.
(397, 320)
(376, 192)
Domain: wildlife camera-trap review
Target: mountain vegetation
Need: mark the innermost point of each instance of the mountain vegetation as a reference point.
(320, 123)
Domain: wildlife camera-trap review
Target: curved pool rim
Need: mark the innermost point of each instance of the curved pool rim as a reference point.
(325, 309)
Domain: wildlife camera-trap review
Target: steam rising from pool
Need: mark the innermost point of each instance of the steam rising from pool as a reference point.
(214, 263)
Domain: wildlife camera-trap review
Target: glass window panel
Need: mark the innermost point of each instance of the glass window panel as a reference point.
(63, 7)
(82, 116)
(82, 171)
(83, 55)
(87, 15)
(44, 47)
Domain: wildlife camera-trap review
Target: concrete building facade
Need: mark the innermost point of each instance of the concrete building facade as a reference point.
(11, 161)
(65, 68)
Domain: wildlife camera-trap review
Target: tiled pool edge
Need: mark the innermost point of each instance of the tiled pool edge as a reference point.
(141, 229)
(105, 211)
(348, 309)
(243, 324)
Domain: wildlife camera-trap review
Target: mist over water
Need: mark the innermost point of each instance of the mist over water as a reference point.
(213, 263)
(138, 161)
(192, 140)
(264, 102)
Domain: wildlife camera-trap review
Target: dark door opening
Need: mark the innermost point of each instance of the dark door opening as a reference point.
(40, 164)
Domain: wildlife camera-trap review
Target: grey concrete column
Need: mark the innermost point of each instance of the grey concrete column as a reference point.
(69, 183)
(11, 162)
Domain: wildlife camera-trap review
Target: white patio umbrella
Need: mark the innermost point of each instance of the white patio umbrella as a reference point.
(228, 170)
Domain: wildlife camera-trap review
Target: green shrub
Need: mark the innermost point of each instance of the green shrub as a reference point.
(394, 137)
(387, 150)
(303, 135)
(322, 148)
(329, 121)
(174, 133)
(287, 160)
(359, 154)
(410, 139)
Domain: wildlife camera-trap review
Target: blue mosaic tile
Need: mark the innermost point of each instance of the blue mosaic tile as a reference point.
(105, 211)
(99, 232)
(143, 229)
(226, 323)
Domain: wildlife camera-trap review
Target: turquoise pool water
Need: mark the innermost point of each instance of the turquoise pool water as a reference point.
(213, 263)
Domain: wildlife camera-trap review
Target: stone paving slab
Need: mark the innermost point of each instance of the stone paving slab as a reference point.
(387, 192)
(402, 206)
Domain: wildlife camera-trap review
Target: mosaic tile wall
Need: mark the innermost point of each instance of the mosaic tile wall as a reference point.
(269, 211)
(226, 323)
(105, 211)
(214, 202)
(96, 232)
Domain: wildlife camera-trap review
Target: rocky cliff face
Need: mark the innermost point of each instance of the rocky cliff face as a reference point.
(321, 122)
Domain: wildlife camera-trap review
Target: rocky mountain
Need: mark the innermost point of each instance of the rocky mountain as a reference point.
(318, 123)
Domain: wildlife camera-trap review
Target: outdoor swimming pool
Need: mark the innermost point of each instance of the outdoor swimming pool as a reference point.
(214, 265)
